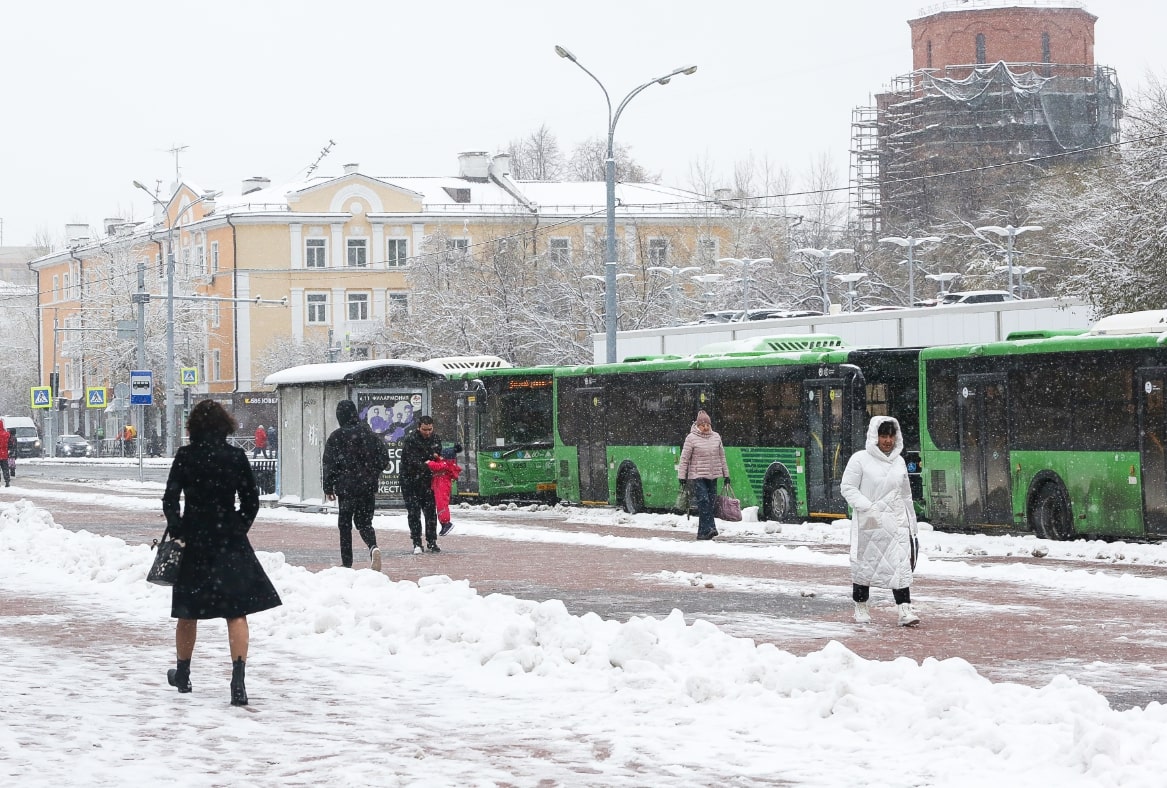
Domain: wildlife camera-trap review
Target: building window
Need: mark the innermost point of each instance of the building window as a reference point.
(56, 287)
(201, 260)
(66, 291)
(397, 253)
(216, 366)
(358, 252)
(457, 244)
(929, 61)
(216, 314)
(658, 251)
(980, 49)
(706, 250)
(214, 257)
(358, 306)
(1046, 55)
(398, 306)
(560, 249)
(316, 253)
(317, 307)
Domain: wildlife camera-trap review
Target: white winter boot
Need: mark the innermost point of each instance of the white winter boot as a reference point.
(862, 614)
(908, 617)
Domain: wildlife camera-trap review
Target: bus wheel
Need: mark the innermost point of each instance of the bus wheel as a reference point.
(780, 503)
(632, 493)
(1049, 512)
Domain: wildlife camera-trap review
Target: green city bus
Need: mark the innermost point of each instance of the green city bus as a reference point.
(790, 411)
(503, 419)
(1061, 433)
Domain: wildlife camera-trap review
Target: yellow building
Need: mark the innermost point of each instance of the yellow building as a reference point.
(326, 262)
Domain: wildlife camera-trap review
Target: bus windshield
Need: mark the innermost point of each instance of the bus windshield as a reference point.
(518, 413)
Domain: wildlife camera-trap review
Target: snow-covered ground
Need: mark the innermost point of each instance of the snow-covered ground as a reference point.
(359, 679)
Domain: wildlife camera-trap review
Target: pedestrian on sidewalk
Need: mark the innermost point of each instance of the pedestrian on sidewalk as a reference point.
(260, 443)
(273, 442)
(445, 472)
(220, 577)
(702, 464)
(420, 445)
(354, 458)
(12, 447)
(5, 441)
(884, 540)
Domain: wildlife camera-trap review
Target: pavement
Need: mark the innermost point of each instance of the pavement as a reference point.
(1007, 631)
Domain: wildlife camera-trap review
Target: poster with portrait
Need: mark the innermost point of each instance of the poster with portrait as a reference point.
(391, 414)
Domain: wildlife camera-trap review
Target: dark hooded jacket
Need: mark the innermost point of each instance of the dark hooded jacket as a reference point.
(416, 450)
(354, 456)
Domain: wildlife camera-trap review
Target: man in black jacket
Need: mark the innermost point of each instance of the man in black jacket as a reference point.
(353, 460)
(420, 444)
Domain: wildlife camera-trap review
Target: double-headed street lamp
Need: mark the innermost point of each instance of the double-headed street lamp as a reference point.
(945, 280)
(170, 371)
(1009, 232)
(852, 281)
(911, 243)
(610, 178)
(673, 271)
(823, 255)
(745, 263)
(1021, 271)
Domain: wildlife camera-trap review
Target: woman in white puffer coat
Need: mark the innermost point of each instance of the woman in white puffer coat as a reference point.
(883, 521)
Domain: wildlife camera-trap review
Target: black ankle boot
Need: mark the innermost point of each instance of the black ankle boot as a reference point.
(180, 676)
(238, 690)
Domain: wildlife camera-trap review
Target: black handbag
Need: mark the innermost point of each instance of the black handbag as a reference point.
(167, 560)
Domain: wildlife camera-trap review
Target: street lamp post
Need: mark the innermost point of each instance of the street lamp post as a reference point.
(673, 271)
(1021, 271)
(170, 371)
(945, 279)
(852, 280)
(745, 263)
(610, 179)
(1008, 232)
(823, 255)
(911, 243)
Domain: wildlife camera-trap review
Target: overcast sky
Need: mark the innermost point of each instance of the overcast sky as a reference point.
(95, 93)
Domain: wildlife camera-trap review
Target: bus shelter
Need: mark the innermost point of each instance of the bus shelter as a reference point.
(390, 396)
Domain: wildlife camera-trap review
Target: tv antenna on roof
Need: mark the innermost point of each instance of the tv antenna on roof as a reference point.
(177, 149)
(323, 152)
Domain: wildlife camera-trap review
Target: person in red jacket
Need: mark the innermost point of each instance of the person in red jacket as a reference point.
(260, 442)
(4, 436)
(446, 471)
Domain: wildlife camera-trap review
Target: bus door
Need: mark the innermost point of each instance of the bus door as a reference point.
(593, 445)
(825, 403)
(984, 448)
(470, 405)
(1152, 438)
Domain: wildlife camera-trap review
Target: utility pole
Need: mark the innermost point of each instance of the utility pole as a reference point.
(141, 298)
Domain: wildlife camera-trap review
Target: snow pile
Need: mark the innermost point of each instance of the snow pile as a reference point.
(688, 701)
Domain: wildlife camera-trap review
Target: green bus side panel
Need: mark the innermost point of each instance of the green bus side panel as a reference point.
(1104, 497)
(566, 473)
(751, 464)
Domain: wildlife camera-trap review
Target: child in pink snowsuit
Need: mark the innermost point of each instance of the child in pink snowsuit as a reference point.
(446, 471)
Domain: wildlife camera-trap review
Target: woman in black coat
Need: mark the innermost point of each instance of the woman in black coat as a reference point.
(220, 576)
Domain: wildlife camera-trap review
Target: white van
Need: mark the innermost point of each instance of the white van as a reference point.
(28, 437)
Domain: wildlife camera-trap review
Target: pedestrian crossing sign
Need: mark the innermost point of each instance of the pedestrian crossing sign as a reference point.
(42, 397)
(95, 396)
(190, 376)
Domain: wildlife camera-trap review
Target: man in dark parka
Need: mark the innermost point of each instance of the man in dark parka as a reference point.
(420, 444)
(354, 458)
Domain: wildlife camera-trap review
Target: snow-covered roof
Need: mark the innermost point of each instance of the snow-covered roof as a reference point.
(341, 371)
(1151, 321)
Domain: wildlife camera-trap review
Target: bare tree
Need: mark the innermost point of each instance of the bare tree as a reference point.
(589, 158)
(536, 157)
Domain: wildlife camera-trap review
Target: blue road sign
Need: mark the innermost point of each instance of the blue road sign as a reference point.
(141, 387)
(42, 397)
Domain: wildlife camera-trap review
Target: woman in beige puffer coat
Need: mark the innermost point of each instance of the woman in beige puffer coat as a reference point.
(883, 520)
(702, 462)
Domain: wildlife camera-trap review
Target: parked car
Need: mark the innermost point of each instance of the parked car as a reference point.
(722, 316)
(73, 446)
(976, 297)
(28, 438)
